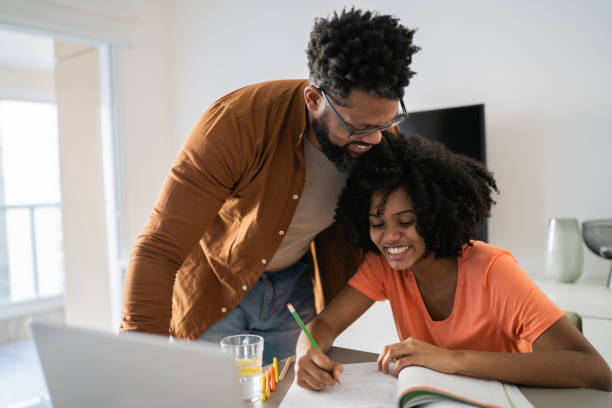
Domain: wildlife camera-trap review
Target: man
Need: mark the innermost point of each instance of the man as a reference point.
(243, 223)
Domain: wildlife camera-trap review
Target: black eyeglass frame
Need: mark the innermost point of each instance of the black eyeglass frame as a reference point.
(355, 134)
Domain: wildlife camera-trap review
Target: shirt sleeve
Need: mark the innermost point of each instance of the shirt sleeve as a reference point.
(203, 175)
(522, 309)
(370, 277)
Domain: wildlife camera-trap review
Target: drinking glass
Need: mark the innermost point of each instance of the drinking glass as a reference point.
(247, 352)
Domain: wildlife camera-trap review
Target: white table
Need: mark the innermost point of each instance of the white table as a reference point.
(539, 397)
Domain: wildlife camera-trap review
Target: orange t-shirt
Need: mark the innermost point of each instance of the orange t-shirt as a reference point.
(497, 306)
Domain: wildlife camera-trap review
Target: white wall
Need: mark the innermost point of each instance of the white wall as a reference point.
(144, 114)
(86, 251)
(19, 83)
(541, 69)
(137, 29)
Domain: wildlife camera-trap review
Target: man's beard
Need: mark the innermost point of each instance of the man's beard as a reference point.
(339, 156)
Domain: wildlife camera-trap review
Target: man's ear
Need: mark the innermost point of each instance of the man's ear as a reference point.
(313, 98)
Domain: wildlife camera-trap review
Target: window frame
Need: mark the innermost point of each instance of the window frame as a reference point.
(11, 309)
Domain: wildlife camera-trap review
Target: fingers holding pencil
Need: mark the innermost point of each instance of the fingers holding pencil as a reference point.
(315, 371)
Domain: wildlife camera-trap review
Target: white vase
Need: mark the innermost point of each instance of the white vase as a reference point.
(564, 257)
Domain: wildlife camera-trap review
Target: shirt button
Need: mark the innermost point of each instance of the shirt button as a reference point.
(244, 287)
(263, 261)
(224, 310)
(295, 196)
(281, 232)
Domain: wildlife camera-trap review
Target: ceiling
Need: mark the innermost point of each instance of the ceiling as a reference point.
(26, 51)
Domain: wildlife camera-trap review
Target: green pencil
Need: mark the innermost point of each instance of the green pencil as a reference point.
(301, 323)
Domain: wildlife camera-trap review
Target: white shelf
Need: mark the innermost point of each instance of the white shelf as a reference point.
(589, 298)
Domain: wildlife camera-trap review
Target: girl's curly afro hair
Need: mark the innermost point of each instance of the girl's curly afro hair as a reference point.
(451, 193)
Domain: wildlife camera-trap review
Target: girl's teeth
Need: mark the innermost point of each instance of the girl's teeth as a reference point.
(397, 250)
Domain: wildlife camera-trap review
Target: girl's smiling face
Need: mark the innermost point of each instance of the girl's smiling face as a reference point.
(393, 228)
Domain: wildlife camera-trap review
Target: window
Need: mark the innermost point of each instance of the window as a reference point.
(31, 245)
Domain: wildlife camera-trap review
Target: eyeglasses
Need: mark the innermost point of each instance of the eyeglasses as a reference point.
(355, 134)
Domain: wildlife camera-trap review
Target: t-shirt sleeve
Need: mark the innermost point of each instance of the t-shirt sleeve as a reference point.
(369, 278)
(522, 309)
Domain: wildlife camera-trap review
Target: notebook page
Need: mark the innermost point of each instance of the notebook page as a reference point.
(362, 386)
(474, 389)
(517, 397)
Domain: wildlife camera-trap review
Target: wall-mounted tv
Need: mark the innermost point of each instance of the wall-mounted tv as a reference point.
(461, 129)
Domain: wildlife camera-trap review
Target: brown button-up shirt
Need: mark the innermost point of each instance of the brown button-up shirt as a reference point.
(235, 183)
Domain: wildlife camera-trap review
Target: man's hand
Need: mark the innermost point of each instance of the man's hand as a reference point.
(314, 370)
(416, 352)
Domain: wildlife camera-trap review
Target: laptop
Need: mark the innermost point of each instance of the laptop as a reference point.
(94, 369)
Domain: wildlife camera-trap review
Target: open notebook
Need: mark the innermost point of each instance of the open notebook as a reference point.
(364, 386)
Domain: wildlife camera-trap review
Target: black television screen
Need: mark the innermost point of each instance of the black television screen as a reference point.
(461, 129)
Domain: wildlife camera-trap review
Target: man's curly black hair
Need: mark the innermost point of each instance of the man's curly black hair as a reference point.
(451, 193)
(360, 50)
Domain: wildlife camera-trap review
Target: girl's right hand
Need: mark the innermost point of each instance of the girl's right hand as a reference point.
(314, 370)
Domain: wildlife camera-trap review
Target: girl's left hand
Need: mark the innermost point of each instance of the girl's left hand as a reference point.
(416, 352)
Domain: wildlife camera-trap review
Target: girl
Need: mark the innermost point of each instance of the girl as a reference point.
(460, 306)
